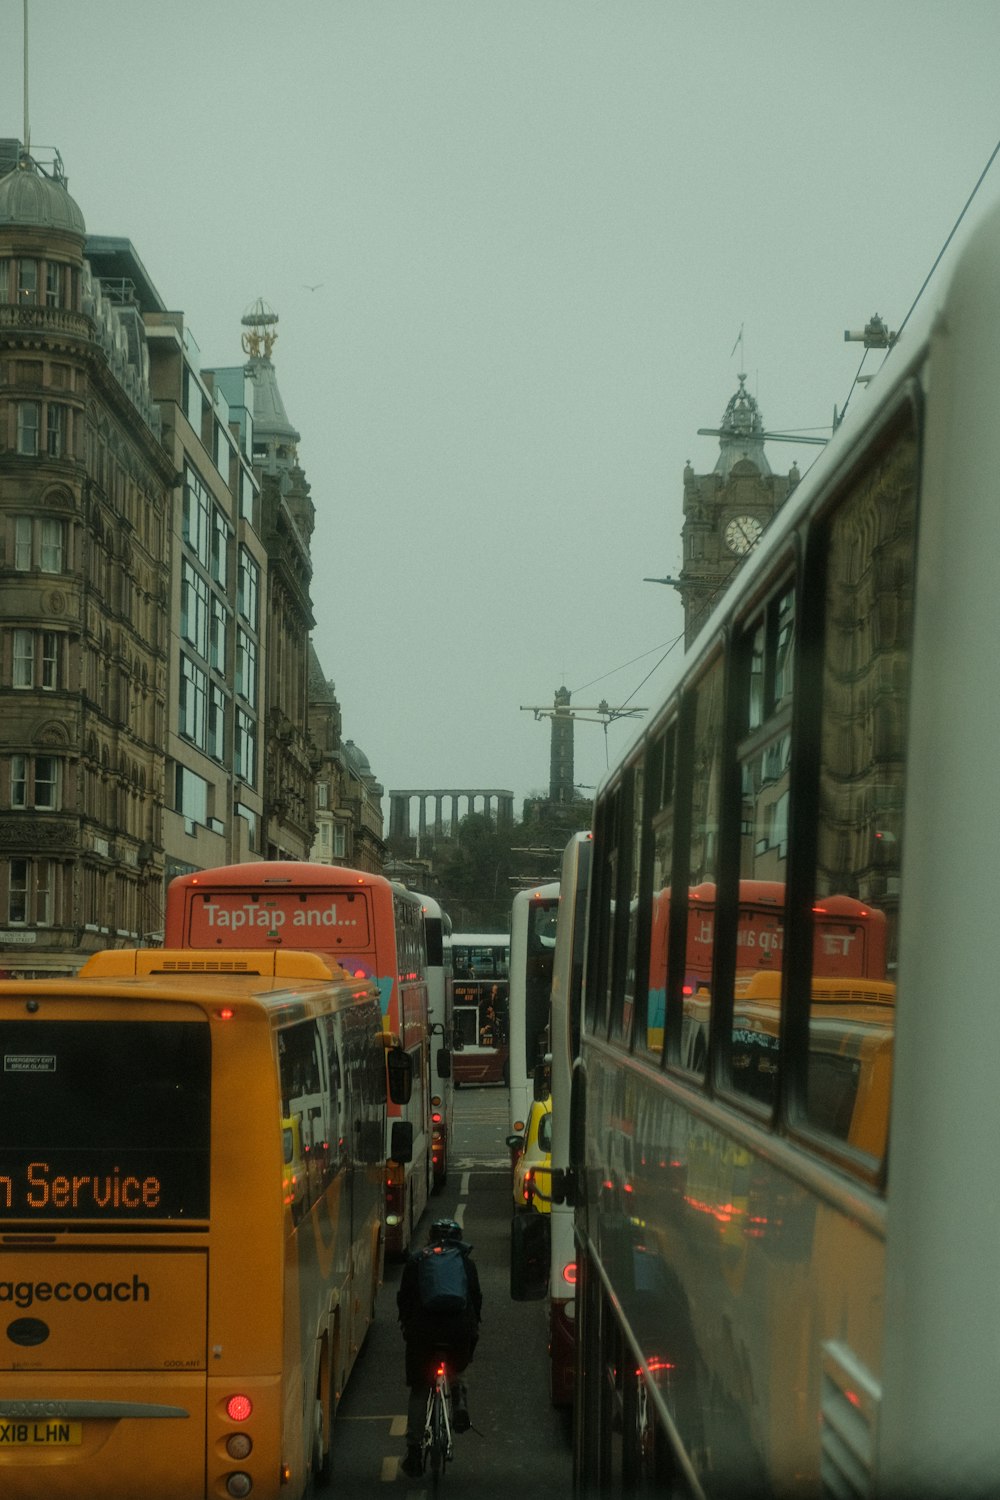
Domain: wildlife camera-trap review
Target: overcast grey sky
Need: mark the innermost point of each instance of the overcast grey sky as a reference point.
(535, 229)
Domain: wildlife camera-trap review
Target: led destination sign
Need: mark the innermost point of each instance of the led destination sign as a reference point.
(35, 1187)
(104, 1120)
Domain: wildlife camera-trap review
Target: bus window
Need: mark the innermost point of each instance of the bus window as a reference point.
(481, 963)
(703, 849)
(96, 1099)
(660, 814)
(764, 758)
(868, 623)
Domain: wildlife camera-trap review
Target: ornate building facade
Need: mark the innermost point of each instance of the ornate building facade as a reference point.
(155, 610)
(85, 487)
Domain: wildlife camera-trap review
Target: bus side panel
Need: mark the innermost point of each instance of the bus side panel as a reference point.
(686, 1219)
(414, 1179)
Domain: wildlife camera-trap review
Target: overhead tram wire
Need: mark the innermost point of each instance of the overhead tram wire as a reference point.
(665, 645)
(930, 273)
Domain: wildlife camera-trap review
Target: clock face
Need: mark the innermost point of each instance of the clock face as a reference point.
(742, 534)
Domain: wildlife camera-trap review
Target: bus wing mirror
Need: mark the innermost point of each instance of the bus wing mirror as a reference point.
(444, 1063)
(400, 1073)
(401, 1143)
(541, 1082)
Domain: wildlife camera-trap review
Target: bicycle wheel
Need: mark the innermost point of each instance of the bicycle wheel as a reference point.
(439, 1438)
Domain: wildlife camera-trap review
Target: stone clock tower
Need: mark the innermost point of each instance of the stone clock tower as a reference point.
(726, 511)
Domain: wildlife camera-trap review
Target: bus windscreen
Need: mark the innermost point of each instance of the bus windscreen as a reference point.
(105, 1120)
(316, 919)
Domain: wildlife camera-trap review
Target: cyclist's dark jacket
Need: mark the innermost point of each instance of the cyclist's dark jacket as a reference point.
(425, 1332)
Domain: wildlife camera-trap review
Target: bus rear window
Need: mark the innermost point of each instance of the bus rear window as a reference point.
(104, 1120)
(318, 920)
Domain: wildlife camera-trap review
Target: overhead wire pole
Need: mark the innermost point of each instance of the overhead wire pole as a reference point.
(561, 784)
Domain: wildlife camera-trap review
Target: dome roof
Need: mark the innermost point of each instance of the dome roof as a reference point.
(37, 202)
(357, 758)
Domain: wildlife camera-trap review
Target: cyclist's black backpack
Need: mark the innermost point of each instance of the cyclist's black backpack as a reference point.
(442, 1280)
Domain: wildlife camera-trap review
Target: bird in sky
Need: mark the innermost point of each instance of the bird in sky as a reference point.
(313, 288)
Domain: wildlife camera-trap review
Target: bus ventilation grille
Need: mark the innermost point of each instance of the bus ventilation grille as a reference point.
(849, 1411)
(205, 966)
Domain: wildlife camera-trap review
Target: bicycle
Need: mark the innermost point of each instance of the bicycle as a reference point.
(437, 1445)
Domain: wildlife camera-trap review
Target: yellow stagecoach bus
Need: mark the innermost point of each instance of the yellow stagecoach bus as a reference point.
(191, 1221)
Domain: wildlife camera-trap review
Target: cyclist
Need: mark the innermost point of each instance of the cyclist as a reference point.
(440, 1304)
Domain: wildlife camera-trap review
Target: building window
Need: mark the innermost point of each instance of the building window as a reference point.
(245, 748)
(222, 451)
(192, 702)
(53, 284)
(322, 794)
(196, 518)
(22, 544)
(250, 819)
(55, 430)
(339, 841)
(51, 546)
(27, 283)
(194, 610)
(217, 634)
(192, 399)
(190, 798)
(29, 415)
(4, 280)
(29, 894)
(36, 659)
(246, 666)
(220, 548)
(249, 585)
(216, 722)
(34, 782)
(246, 494)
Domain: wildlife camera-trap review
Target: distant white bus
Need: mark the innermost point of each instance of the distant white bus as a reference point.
(440, 1021)
(566, 999)
(481, 966)
(532, 948)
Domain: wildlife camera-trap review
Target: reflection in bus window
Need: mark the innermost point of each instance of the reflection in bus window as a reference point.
(704, 843)
(868, 623)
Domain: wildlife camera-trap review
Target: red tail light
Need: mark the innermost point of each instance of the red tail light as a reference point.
(238, 1408)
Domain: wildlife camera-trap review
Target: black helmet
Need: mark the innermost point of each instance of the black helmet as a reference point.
(443, 1230)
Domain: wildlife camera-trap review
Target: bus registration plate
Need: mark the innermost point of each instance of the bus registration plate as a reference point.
(43, 1434)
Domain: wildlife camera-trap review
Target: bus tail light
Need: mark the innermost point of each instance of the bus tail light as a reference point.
(239, 1445)
(569, 1273)
(238, 1408)
(239, 1484)
(528, 1190)
(395, 1191)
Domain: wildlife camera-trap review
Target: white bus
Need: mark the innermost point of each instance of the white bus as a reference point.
(771, 1299)
(481, 965)
(532, 948)
(440, 1023)
(566, 997)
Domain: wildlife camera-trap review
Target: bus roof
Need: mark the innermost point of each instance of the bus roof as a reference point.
(280, 872)
(122, 963)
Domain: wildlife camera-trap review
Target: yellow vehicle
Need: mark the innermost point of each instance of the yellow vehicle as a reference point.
(530, 1227)
(532, 1160)
(191, 1221)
